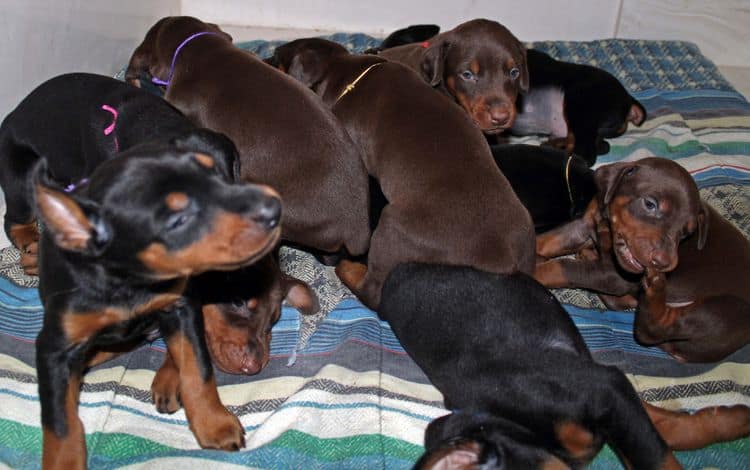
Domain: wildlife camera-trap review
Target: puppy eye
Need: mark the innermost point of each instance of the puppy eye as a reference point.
(631, 170)
(238, 303)
(650, 204)
(514, 73)
(177, 220)
(467, 75)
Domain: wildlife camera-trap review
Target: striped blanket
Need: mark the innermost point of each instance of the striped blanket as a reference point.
(339, 391)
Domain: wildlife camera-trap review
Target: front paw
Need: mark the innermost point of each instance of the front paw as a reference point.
(219, 429)
(165, 390)
(30, 259)
(654, 282)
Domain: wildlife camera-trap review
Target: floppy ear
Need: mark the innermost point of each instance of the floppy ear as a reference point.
(637, 113)
(216, 144)
(462, 453)
(608, 178)
(703, 222)
(523, 80)
(299, 295)
(433, 60)
(308, 67)
(143, 56)
(74, 223)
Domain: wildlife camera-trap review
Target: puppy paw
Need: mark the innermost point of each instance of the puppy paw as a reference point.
(219, 429)
(165, 390)
(654, 281)
(30, 259)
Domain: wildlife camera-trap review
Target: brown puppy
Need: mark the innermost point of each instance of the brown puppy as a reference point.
(239, 310)
(447, 201)
(479, 64)
(284, 135)
(647, 217)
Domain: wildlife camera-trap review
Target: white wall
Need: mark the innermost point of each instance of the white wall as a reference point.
(43, 38)
(721, 28)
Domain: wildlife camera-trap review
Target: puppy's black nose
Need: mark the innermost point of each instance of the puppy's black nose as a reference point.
(268, 212)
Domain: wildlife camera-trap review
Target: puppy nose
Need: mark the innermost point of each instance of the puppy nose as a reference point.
(660, 259)
(500, 116)
(268, 212)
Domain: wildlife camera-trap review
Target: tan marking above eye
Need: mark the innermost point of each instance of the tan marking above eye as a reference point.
(474, 67)
(205, 160)
(177, 201)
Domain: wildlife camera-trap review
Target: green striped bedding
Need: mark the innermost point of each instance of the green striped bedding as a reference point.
(339, 391)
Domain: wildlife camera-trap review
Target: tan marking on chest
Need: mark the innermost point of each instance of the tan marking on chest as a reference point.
(81, 326)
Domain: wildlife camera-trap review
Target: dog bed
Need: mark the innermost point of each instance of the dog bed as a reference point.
(339, 391)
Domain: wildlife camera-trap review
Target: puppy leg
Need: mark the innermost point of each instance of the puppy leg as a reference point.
(63, 441)
(569, 238)
(628, 427)
(165, 387)
(706, 330)
(684, 431)
(212, 424)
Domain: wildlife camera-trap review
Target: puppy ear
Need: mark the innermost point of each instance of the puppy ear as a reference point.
(460, 453)
(433, 60)
(637, 113)
(523, 80)
(307, 67)
(703, 222)
(608, 178)
(143, 56)
(216, 144)
(75, 223)
(299, 295)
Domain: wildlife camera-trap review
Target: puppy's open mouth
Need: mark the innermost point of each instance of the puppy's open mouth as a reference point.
(625, 257)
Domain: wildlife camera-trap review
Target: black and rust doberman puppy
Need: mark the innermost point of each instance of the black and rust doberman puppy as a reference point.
(285, 137)
(553, 186)
(77, 121)
(115, 256)
(520, 383)
(648, 234)
(479, 64)
(595, 105)
(447, 200)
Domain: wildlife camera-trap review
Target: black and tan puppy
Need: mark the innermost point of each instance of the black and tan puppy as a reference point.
(479, 64)
(77, 121)
(286, 138)
(595, 105)
(115, 258)
(648, 241)
(447, 200)
(520, 384)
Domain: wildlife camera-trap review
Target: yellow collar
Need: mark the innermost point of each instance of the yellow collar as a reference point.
(350, 86)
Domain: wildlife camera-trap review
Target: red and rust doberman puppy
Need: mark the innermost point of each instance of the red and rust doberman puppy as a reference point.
(522, 388)
(239, 309)
(284, 135)
(447, 200)
(647, 216)
(115, 258)
(479, 64)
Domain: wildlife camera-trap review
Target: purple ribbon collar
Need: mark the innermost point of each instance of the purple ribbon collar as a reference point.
(158, 81)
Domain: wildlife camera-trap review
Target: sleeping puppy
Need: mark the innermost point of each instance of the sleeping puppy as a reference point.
(479, 64)
(595, 104)
(520, 384)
